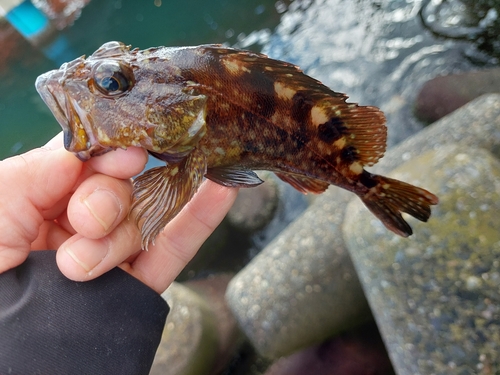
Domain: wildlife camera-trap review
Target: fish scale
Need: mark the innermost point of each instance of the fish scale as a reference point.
(221, 113)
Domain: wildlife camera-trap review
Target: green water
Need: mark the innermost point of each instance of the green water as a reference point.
(25, 122)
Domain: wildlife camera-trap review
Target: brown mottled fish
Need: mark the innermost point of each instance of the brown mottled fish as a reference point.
(221, 113)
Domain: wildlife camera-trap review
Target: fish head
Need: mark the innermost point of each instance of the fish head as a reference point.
(118, 97)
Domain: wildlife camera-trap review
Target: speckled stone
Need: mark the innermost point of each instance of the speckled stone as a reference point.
(189, 342)
(435, 295)
(254, 208)
(302, 288)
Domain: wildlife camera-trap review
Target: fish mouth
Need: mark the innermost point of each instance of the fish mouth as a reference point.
(79, 137)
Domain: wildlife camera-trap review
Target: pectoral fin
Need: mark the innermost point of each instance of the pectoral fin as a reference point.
(233, 177)
(161, 193)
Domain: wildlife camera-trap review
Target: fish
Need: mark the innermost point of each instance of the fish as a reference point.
(222, 113)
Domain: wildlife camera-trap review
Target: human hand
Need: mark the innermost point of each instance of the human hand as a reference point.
(51, 200)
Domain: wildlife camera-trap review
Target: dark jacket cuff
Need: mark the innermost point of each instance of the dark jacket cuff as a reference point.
(52, 325)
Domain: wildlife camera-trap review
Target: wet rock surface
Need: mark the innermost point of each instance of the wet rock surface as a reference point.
(200, 334)
(254, 208)
(357, 352)
(442, 95)
(189, 341)
(435, 295)
(302, 288)
(229, 337)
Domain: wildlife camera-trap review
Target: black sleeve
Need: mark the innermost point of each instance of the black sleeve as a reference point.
(52, 325)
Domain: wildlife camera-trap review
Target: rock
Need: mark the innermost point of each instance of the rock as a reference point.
(357, 352)
(229, 336)
(200, 334)
(190, 341)
(255, 207)
(259, 214)
(302, 288)
(435, 294)
(212, 257)
(442, 95)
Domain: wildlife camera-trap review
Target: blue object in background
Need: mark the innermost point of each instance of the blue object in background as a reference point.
(27, 19)
(32, 24)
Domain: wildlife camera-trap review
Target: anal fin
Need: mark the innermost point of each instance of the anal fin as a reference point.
(160, 193)
(303, 184)
(233, 177)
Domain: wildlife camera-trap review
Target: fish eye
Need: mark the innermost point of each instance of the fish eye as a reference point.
(112, 78)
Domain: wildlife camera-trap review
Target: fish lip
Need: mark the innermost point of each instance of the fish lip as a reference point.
(67, 112)
(83, 155)
(44, 84)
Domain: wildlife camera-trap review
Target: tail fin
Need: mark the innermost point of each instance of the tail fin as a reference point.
(389, 197)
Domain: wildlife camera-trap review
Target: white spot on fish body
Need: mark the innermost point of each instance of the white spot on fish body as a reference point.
(356, 168)
(318, 116)
(284, 92)
(235, 68)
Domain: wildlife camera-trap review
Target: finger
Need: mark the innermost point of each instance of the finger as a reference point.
(182, 237)
(55, 142)
(82, 258)
(120, 163)
(64, 223)
(51, 236)
(98, 205)
(31, 183)
(57, 209)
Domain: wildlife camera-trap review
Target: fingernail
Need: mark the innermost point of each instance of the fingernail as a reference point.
(85, 255)
(104, 207)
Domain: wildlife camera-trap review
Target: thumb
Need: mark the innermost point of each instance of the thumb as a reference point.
(31, 184)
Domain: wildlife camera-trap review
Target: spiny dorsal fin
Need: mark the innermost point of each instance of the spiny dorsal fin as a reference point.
(161, 193)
